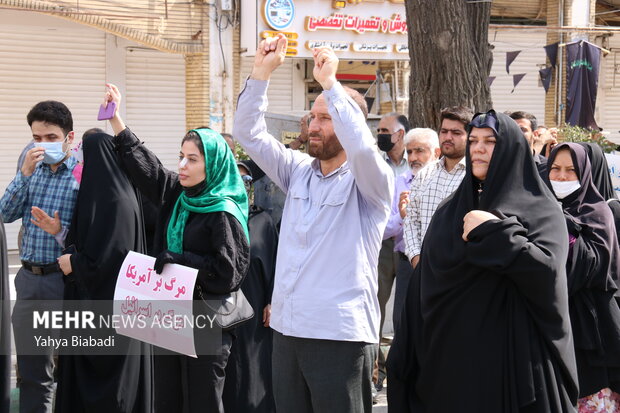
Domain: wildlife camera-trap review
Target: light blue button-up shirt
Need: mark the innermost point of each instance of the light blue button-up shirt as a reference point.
(332, 226)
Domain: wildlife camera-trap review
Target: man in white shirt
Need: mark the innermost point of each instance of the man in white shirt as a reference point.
(438, 180)
(324, 309)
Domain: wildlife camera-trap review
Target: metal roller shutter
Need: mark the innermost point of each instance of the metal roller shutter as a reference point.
(155, 101)
(45, 58)
(608, 98)
(529, 95)
(280, 93)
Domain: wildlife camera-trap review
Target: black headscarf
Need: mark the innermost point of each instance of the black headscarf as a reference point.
(592, 270)
(587, 208)
(600, 171)
(494, 310)
(107, 221)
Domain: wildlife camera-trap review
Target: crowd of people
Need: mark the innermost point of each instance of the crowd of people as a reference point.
(501, 244)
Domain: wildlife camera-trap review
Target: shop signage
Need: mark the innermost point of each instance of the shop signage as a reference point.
(279, 14)
(361, 29)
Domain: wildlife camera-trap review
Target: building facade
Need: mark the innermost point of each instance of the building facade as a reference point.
(181, 65)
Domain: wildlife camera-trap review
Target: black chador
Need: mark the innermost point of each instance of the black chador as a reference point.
(593, 269)
(485, 327)
(107, 223)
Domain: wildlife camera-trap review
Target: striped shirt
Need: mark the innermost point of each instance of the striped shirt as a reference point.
(50, 191)
(431, 185)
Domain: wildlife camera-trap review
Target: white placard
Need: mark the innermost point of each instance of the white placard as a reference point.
(156, 308)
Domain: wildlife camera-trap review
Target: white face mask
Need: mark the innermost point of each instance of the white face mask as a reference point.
(54, 152)
(562, 189)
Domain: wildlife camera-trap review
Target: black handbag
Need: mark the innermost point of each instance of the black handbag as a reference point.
(231, 310)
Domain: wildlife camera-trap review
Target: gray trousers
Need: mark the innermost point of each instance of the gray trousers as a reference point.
(36, 389)
(322, 376)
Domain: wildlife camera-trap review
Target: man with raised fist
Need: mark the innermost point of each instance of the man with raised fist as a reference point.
(325, 311)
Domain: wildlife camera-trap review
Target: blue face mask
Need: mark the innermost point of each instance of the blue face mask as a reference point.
(53, 152)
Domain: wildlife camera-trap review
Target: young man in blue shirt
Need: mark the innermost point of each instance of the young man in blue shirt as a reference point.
(43, 195)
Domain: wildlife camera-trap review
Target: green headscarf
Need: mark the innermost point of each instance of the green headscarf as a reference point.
(224, 190)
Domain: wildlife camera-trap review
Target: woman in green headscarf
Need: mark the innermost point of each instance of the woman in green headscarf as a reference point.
(202, 224)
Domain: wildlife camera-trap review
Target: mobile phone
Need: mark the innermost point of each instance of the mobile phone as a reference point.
(106, 112)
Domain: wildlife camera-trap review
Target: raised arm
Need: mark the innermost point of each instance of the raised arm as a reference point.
(141, 165)
(373, 177)
(13, 201)
(249, 126)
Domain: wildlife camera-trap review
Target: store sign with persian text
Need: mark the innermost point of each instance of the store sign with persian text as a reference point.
(355, 29)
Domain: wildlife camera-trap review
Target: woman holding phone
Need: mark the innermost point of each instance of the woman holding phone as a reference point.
(202, 224)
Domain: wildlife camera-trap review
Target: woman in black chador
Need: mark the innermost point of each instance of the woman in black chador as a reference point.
(485, 327)
(107, 223)
(593, 269)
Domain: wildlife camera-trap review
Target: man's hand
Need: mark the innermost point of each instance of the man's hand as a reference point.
(64, 261)
(48, 224)
(325, 66)
(474, 218)
(403, 201)
(112, 94)
(303, 135)
(303, 127)
(269, 55)
(33, 156)
(267, 315)
(550, 142)
(415, 260)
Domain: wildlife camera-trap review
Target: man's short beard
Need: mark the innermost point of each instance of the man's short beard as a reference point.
(453, 155)
(328, 151)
